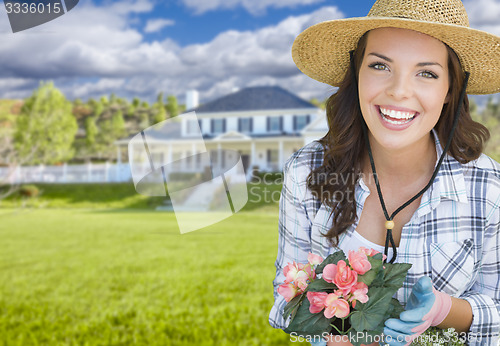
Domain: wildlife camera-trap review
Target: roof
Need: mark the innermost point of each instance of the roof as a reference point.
(255, 98)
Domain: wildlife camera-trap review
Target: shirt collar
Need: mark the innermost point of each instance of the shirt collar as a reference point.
(448, 184)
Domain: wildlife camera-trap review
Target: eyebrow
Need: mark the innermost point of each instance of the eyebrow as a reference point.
(420, 64)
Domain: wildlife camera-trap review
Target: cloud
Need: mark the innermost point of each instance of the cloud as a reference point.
(484, 15)
(154, 25)
(255, 7)
(96, 50)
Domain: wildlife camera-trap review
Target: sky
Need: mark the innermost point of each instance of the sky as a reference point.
(144, 47)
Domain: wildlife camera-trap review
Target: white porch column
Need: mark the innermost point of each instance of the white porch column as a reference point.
(219, 156)
(280, 156)
(193, 158)
(253, 157)
(170, 156)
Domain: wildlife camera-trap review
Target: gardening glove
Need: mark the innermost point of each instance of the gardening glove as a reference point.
(426, 307)
(318, 343)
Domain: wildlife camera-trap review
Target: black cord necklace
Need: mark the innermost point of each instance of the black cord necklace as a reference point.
(389, 224)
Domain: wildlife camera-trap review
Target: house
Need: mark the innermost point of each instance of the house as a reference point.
(264, 125)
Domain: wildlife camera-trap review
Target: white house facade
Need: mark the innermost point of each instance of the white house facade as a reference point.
(265, 125)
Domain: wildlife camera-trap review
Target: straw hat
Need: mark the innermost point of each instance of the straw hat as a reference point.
(322, 50)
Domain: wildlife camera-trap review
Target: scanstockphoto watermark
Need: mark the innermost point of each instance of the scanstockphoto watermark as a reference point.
(325, 336)
(26, 14)
(434, 339)
(263, 188)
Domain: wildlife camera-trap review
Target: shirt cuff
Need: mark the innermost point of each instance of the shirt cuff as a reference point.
(485, 320)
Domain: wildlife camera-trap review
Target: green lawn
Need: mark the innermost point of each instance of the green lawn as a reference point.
(121, 277)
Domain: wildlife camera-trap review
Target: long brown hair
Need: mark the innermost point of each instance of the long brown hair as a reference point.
(335, 180)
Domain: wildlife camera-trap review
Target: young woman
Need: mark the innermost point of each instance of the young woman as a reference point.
(401, 169)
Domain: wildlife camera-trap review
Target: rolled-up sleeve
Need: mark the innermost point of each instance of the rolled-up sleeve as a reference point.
(294, 242)
(484, 296)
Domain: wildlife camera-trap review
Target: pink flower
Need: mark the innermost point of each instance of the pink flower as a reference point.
(341, 275)
(288, 291)
(336, 306)
(359, 262)
(370, 252)
(301, 280)
(359, 293)
(314, 259)
(309, 271)
(329, 272)
(291, 270)
(316, 301)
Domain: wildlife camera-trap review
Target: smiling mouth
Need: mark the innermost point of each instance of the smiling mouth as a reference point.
(396, 117)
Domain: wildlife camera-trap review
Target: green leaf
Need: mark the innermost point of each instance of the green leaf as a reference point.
(333, 258)
(395, 309)
(379, 280)
(320, 285)
(369, 276)
(395, 274)
(305, 323)
(370, 315)
(292, 306)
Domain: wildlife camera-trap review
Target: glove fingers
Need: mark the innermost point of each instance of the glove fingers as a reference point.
(400, 326)
(414, 315)
(423, 285)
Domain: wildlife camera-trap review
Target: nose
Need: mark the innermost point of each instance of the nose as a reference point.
(399, 87)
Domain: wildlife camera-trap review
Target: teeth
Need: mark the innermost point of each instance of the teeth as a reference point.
(397, 122)
(396, 114)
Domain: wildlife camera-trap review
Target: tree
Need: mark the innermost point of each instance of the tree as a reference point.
(46, 127)
(8, 157)
(172, 106)
(118, 125)
(136, 102)
(159, 114)
(90, 131)
(318, 103)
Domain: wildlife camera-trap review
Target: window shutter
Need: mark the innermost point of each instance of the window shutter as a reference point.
(212, 125)
(308, 119)
(294, 123)
(268, 124)
(239, 124)
(281, 124)
(251, 124)
(268, 155)
(223, 125)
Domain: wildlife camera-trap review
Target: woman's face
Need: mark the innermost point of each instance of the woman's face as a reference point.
(403, 84)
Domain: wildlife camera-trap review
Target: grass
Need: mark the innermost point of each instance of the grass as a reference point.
(122, 277)
(262, 197)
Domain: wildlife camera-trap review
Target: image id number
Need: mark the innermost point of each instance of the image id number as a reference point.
(33, 7)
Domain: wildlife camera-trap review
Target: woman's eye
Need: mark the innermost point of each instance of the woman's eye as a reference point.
(378, 66)
(428, 74)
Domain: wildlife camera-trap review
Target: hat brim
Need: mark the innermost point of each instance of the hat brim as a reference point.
(322, 50)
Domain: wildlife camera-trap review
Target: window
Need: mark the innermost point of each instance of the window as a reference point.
(193, 127)
(245, 125)
(274, 124)
(300, 121)
(218, 125)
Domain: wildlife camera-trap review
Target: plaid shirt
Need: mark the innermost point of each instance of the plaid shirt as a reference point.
(453, 237)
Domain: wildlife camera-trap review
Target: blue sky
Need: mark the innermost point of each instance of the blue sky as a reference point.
(143, 47)
(192, 27)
